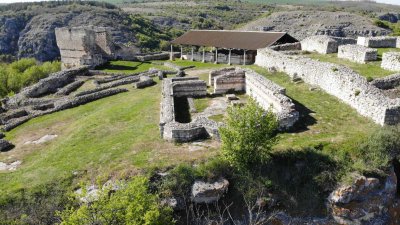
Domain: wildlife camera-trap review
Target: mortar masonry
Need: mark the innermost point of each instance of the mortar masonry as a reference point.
(339, 81)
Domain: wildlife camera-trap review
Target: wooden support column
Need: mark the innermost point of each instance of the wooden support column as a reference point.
(204, 55)
(171, 56)
(216, 56)
(192, 59)
(244, 57)
(229, 56)
(181, 52)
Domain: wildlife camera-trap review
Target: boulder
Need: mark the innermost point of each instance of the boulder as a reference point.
(5, 145)
(204, 192)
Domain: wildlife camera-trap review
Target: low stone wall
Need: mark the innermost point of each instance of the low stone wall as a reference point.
(172, 130)
(70, 87)
(319, 43)
(53, 82)
(287, 47)
(227, 79)
(156, 56)
(123, 81)
(144, 81)
(387, 82)
(192, 88)
(357, 53)
(338, 81)
(377, 42)
(273, 97)
(344, 40)
(391, 61)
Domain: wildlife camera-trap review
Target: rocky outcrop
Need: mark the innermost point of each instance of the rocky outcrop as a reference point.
(366, 201)
(302, 24)
(204, 192)
(32, 35)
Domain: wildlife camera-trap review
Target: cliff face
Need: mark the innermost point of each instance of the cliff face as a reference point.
(302, 24)
(33, 35)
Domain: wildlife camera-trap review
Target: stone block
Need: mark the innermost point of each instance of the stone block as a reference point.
(357, 53)
(377, 42)
(391, 61)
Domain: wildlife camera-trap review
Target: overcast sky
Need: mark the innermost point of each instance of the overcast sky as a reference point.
(395, 2)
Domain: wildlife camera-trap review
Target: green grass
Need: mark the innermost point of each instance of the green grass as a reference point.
(217, 118)
(201, 104)
(115, 135)
(325, 121)
(370, 69)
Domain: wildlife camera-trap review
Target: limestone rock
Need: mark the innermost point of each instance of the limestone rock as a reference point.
(44, 139)
(10, 167)
(365, 201)
(203, 192)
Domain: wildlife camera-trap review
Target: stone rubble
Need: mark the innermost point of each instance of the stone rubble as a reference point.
(10, 167)
(44, 139)
(204, 192)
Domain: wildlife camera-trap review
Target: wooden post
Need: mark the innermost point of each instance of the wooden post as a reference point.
(171, 56)
(181, 52)
(204, 54)
(216, 56)
(192, 59)
(229, 57)
(244, 57)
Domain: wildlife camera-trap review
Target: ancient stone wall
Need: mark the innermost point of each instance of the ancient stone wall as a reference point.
(357, 53)
(377, 42)
(273, 97)
(339, 81)
(398, 42)
(79, 46)
(387, 82)
(227, 79)
(287, 47)
(183, 132)
(391, 61)
(319, 43)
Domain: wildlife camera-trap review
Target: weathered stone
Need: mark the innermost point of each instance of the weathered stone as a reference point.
(319, 43)
(66, 90)
(10, 167)
(90, 46)
(387, 82)
(339, 81)
(271, 96)
(144, 81)
(357, 53)
(44, 139)
(391, 61)
(231, 97)
(5, 145)
(364, 202)
(227, 80)
(377, 42)
(176, 204)
(203, 192)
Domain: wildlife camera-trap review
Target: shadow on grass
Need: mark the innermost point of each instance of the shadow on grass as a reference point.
(110, 66)
(305, 119)
(302, 179)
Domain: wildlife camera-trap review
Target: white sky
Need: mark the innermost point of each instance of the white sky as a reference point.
(395, 2)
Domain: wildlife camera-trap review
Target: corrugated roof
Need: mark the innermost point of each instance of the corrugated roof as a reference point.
(249, 40)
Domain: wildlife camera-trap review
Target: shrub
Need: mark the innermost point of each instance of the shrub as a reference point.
(131, 205)
(375, 152)
(248, 136)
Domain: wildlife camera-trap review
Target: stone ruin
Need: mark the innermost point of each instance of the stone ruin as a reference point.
(84, 46)
(175, 91)
(357, 53)
(324, 44)
(339, 81)
(391, 61)
(378, 42)
(59, 91)
(272, 96)
(388, 82)
(227, 80)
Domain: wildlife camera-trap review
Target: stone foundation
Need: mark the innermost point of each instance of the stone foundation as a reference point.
(391, 61)
(388, 82)
(357, 53)
(287, 47)
(319, 43)
(227, 80)
(377, 42)
(339, 81)
(273, 97)
(183, 132)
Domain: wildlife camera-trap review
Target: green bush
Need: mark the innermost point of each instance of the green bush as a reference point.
(22, 73)
(375, 152)
(248, 136)
(133, 205)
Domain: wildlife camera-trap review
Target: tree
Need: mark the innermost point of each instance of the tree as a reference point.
(132, 205)
(248, 136)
